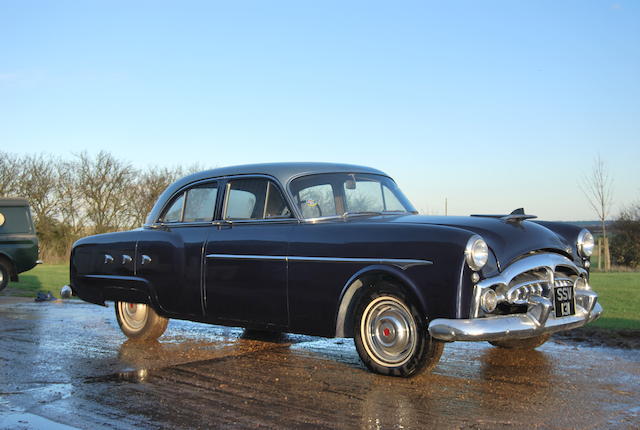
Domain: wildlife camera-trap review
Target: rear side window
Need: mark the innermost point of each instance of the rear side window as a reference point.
(197, 204)
(253, 199)
(14, 219)
(201, 202)
(174, 213)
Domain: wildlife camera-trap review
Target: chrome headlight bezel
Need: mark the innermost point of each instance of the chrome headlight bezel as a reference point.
(476, 252)
(585, 243)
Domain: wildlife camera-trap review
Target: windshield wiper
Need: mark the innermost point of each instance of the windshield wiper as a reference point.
(360, 213)
(371, 213)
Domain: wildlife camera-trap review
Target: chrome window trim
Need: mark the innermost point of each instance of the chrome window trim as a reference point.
(258, 221)
(402, 263)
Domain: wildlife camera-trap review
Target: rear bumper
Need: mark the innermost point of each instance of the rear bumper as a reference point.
(538, 320)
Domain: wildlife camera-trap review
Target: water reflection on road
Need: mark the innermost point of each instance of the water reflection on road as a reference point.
(69, 364)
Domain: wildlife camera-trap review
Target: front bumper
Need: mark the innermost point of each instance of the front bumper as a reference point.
(538, 320)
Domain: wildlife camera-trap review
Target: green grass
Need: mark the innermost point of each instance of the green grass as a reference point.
(45, 277)
(619, 292)
(619, 295)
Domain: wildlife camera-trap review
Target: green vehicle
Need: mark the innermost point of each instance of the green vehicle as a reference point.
(18, 240)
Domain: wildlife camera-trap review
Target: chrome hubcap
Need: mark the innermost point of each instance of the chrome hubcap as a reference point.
(388, 331)
(133, 315)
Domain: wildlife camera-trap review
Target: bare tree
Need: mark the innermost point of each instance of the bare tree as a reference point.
(37, 183)
(598, 187)
(9, 174)
(148, 187)
(104, 185)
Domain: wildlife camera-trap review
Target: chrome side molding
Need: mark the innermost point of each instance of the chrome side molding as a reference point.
(401, 263)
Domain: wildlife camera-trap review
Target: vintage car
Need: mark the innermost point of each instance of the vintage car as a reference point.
(18, 240)
(338, 251)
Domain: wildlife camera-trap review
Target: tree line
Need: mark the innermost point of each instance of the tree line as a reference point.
(90, 194)
(72, 198)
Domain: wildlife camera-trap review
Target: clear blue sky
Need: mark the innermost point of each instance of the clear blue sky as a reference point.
(491, 104)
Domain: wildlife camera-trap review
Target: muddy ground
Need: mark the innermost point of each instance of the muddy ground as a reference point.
(66, 365)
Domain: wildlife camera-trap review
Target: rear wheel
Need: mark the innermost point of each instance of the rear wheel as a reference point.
(529, 343)
(139, 321)
(4, 274)
(391, 337)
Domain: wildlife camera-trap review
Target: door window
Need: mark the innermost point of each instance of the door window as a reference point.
(201, 202)
(197, 204)
(251, 199)
(317, 201)
(174, 213)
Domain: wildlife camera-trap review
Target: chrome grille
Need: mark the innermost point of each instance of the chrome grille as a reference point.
(528, 277)
(528, 284)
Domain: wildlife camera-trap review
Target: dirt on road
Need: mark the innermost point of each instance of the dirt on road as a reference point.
(66, 365)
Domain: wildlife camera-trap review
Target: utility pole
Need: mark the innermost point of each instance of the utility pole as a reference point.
(445, 206)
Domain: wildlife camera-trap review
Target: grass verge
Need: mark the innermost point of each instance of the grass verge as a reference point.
(44, 277)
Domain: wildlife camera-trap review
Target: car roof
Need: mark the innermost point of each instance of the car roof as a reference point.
(13, 202)
(283, 172)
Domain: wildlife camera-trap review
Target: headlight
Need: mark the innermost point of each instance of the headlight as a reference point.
(476, 252)
(585, 243)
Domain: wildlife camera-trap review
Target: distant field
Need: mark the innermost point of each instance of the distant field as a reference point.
(619, 292)
(620, 297)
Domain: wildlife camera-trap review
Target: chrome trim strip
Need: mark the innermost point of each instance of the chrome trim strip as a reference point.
(398, 262)
(248, 257)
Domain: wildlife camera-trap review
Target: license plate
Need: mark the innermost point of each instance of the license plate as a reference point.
(565, 303)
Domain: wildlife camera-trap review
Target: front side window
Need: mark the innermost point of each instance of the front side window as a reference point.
(255, 199)
(334, 194)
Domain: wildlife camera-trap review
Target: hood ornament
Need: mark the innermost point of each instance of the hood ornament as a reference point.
(517, 215)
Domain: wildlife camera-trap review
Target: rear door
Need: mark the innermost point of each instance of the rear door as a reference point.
(170, 255)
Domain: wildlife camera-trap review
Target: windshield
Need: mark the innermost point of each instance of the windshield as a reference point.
(343, 194)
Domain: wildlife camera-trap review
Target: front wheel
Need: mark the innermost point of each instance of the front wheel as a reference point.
(529, 343)
(139, 321)
(391, 337)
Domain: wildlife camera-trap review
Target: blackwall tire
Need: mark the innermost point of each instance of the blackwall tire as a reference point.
(139, 321)
(391, 336)
(529, 343)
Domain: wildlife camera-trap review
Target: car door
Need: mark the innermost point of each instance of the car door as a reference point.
(170, 255)
(246, 264)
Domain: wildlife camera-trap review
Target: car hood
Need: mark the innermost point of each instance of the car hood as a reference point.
(507, 240)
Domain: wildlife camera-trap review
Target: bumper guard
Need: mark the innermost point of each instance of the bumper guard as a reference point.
(538, 320)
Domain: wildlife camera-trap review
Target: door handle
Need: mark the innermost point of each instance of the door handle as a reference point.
(145, 260)
(126, 259)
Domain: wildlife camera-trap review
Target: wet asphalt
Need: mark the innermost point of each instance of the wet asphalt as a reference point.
(66, 365)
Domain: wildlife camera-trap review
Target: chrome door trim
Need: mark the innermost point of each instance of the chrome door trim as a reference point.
(402, 263)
